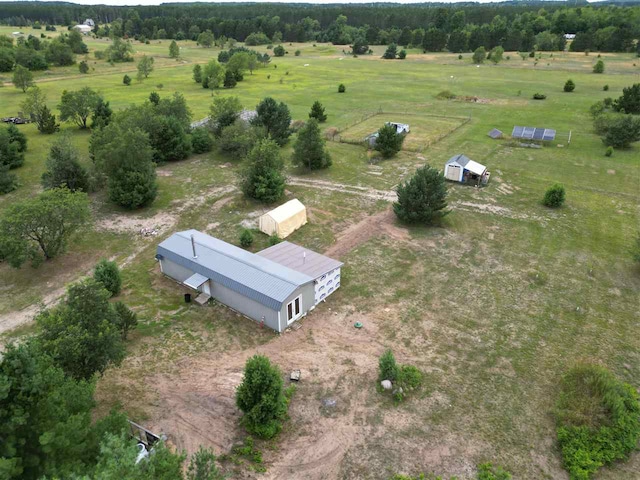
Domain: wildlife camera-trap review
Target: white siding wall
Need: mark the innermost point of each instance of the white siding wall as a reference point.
(326, 285)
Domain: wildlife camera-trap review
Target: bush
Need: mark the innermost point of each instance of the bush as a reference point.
(126, 319)
(479, 55)
(598, 67)
(83, 67)
(422, 199)
(569, 86)
(279, 51)
(388, 367)
(446, 95)
(201, 141)
(261, 399)
(126, 80)
(539, 96)
(342, 88)
(402, 54)
(8, 180)
(486, 471)
(554, 197)
(598, 420)
(620, 131)
(246, 238)
(605, 88)
(297, 53)
(274, 239)
(107, 274)
(409, 377)
(608, 152)
(460, 57)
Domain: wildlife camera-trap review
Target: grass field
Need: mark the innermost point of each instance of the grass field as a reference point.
(493, 306)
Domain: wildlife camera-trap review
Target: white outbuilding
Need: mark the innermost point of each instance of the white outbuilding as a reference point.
(284, 220)
(461, 168)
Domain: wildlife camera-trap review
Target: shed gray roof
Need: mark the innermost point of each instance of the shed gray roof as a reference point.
(251, 275)
(300, 259)
(459, 159)
(495, 133)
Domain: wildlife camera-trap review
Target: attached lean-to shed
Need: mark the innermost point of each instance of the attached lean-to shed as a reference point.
(275, 287)
(461, 168)
(284, 220)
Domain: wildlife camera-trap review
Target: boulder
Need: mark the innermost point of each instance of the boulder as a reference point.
(386, 384)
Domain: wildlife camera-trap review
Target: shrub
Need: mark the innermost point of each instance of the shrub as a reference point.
(620, 131)
(409, 377)
(278, 51)
(539, 96)
(201, 141)
(422, 199)
(246, 238)
(274, 239)
(569, 86)
(388, 367)
(297, 54)
(460, 57)
(126, 80)
(605, 88)
(629, 101)
(479, 55)
(126, 319)
(486, 471)
(342, 88)
(598, 67)
(598, 420)
(83, 67)
(107, 274)
(554, 197)
(8, 180)
(608, 152)
(446, 95)
(260, 397)
(402, 54)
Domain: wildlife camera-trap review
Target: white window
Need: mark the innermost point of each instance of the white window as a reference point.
(294, 309)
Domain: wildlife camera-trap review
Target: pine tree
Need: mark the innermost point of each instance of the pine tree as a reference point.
(229, 79)
(317, 112)
(389, 142)
(309, 149)
(174, 49)
(422, 199)
(64, 168)
(197, 74)
(264, 179)
(47, 121)
(101, 114)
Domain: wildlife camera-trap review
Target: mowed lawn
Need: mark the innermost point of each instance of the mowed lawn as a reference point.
(494, 305)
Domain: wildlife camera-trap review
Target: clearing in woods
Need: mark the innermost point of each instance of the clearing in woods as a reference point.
(493, 306)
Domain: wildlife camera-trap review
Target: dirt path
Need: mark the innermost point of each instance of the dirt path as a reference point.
(159, 224)
(388, 195)
(383, 223)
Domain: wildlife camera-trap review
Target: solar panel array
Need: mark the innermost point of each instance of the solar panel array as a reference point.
(532, 133)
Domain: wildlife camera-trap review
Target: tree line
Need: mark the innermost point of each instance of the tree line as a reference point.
(515, 26)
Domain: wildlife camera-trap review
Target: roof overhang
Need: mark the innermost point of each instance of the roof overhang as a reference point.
(475, 167)
(195, 281)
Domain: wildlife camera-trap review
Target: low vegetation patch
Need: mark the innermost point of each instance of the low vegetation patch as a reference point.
(400, 380)
(554, 197)
(598, 420)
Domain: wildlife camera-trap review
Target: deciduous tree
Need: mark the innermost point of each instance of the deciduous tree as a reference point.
(40, 228)
(78, 105)
(174, 49)
(22, 78)
(223, 112)
(145, 67)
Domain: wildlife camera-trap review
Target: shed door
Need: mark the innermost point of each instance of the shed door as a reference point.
(453, 172)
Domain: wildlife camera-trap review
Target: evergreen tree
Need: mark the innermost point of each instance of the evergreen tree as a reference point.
(317, 112)
(479, 55)
(261, 398)
(197, 74)
(309, 148)
(201, 141)
(11, 149)
(101, 114)
(422, 199)
(389, 142)
(598, 67)
(125, 156)
(275, 118)
(63, 167)
(126, 319)
(264, 179)
(8, 180)
(170, 141)
(15, 135)
(174, 49)
(107, 273)
(126, 80)
(229, 79)
(83, 67)
(391, 52)
(629, 101)
(47, 121)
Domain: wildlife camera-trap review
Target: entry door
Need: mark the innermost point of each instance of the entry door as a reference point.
(453, 173)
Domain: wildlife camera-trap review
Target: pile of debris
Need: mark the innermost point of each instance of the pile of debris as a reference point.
(16, 120)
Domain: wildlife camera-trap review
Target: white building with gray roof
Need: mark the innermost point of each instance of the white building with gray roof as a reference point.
(276, 286)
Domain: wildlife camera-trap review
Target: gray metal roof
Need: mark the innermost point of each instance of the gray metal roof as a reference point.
(251, 275)
(459, 159)
(300, 259)
(495, 133)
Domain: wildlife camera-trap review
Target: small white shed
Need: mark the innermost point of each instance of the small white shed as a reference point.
(284, 220)
(461, 168)
(401, 128)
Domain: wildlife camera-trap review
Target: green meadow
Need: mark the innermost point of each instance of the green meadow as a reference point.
(494, 305)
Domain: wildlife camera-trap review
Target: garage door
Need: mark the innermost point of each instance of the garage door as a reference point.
(453, 172)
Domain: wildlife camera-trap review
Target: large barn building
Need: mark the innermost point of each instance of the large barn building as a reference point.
(276, 286)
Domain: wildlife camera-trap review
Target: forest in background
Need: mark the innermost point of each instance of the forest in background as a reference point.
(516, 26)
